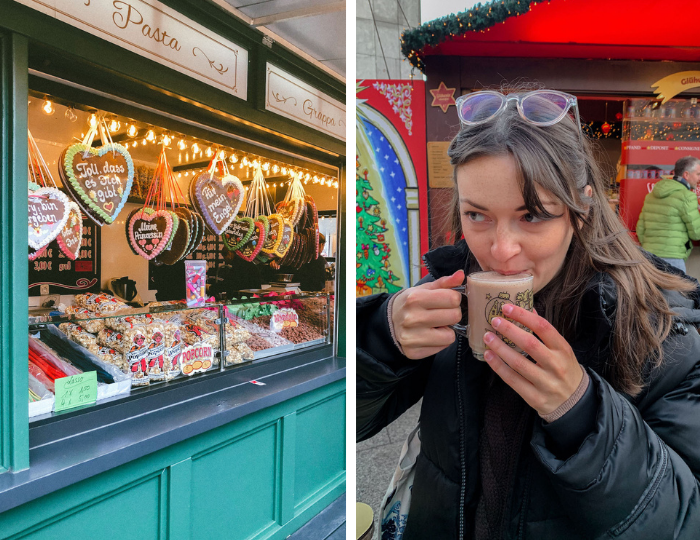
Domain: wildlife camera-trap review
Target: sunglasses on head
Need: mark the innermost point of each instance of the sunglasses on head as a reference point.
(539, 107)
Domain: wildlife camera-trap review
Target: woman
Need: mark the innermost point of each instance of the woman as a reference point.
(596, 433)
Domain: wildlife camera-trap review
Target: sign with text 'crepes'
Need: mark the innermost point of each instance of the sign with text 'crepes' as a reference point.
(155, 31)
(287, 96)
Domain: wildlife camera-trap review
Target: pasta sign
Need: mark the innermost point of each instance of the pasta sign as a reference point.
(159, 33)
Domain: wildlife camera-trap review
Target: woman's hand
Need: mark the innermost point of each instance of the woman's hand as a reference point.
(420, 316)
(549, 382)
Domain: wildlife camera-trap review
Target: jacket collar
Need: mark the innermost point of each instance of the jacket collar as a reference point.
(683, 181)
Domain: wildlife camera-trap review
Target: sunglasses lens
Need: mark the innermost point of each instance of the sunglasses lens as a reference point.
(544, 107)
(479, 107)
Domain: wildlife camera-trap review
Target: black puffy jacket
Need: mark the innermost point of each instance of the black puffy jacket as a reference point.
(635, 476)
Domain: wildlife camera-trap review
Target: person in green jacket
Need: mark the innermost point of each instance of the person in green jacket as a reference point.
(670, 219)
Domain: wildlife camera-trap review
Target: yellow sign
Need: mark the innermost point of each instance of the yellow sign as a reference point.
(674, 84)
(439, 167)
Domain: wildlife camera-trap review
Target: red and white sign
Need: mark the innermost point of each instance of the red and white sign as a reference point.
(657, 152)
(284, 318)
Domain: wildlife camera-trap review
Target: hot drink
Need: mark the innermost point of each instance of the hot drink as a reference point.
(487, 293)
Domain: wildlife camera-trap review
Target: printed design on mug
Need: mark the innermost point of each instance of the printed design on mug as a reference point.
(494, 308)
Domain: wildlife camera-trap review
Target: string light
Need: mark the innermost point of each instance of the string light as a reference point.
(266, 167)
(275, 168)
(233, 158)
(182, 145)
(93, 121)
(166, 140)
(195, 149)
(150, 136)
(47, 108)
(209, 152)
(114, 126)
(132, 131)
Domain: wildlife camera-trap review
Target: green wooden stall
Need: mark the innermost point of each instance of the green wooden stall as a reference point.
(215, 457)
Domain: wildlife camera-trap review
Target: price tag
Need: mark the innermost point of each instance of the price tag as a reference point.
(257, 383)
(76, 391)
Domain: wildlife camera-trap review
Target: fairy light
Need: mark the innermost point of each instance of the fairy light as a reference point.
(182, 145)
(47, 108)
(179, 175)
(222, 155)
(114, 126)
(244, 162)
(209, 152)
(132, 131)
(233, 159)
(266, 167)
(284, 170)
(335, 184)
(275, 168)
(93, 121)
(136, 143)
(307, 175)
(166, 140)
(195, 149)
(150, 136)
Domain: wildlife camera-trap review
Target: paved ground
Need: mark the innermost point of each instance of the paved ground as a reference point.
(377, 458)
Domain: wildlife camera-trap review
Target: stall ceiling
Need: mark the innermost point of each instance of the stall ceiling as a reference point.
(598, 29)
(316, 27)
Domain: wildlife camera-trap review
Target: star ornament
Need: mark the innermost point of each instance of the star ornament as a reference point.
(443, 97)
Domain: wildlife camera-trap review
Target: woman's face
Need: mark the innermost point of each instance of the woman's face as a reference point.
(500, 232)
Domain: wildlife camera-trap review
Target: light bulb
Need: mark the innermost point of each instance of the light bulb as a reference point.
(166, 140)
(209, 152)
(47, 108)
(245, 161)
(181, 145)
(179, 175)
(150, 136)
(222, 155)
(70, 114)
(307, 176)
(93, 121)
(315, 178)
(144, 141)
(195, 148)
(114, 126)
(275, 169)
(266, 167)
(233, 158)
(135, 144)
(132, 131)
(284, 170)
(335, 184)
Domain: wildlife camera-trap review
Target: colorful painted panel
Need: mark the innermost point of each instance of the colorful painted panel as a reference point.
(390, 181)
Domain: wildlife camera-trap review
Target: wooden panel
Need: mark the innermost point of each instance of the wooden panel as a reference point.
(320, 447)
(133, 513)
(14, 434)
(234, 487)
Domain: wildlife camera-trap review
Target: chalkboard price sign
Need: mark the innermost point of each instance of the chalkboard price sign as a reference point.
(64, 276)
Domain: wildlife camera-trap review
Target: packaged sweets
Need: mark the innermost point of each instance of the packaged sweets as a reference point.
(173, 349)
(101, 303)
(77, 333)
(245, 351)
(110, 356)
(93, 326)
(135, 347)
(155, 355)
(194, 332)
(195, 282)
(122, 323)
(112, 339)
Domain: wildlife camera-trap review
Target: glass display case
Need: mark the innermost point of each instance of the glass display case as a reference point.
(134, 349)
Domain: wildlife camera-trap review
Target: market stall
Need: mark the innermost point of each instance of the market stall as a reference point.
(156, 180)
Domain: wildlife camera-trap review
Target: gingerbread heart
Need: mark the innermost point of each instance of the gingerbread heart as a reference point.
(287, 237)
(217, 199)
(70, 239)
(149, 232)
(48, 213)
(34, 254)
(99, 179)
(238, 233)
(252, 247)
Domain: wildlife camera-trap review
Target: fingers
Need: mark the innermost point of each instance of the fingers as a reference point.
(511, 377)
(423, 342)
(432, 299)
(540, 326)
(516, 361)
(447, 282)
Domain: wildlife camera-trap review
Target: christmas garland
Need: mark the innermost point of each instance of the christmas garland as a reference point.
(477, 19)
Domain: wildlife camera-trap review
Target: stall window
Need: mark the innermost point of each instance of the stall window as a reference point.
(157, 256)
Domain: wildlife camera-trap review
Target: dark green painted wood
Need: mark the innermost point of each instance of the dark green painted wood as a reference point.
(287, 472)
(180, 501)
(320, 447)
(14, 434)
(223, 460)
(341, 262)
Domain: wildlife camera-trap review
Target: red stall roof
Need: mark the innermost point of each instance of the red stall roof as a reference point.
(595, 29)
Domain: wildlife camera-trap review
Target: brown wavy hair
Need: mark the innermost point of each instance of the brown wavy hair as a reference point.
(553, 158)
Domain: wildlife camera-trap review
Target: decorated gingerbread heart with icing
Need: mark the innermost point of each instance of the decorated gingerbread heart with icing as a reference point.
(99, 179)
(252, 247)
(70, 238)
(48, 212)
(238, 233)
(149, 232)
(217, 199)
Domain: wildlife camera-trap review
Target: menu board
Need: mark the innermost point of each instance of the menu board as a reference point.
(64, 276)
(211, 250)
